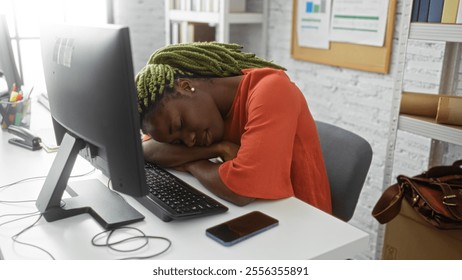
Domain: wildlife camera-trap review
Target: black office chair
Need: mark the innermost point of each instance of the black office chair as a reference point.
(347, 157)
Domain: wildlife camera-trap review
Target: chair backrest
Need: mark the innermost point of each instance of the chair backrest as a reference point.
(347, 157)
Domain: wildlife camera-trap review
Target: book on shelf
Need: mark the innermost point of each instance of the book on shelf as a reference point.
(415, 10)
(186, 32)
(210, 6)
(424, 7)
(435, 10)
(200, 32)
(439, 11)
(459, 13)
(450, 9)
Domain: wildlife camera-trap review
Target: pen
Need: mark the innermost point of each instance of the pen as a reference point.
(27, 95)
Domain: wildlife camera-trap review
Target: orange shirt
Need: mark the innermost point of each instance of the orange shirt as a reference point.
(280, 155)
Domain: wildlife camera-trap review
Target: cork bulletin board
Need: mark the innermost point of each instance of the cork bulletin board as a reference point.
(347, 55)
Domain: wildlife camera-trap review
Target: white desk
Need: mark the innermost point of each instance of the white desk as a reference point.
(304, 232)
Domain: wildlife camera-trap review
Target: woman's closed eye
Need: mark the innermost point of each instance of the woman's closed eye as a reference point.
(177, 128)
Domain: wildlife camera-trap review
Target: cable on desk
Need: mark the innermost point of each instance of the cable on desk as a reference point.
(128, 239)
(110, 244)
(27, 215)
(30, 214)
(44, 177)
(17, 201)
(22, 180)
(35, 178)
(16, 236)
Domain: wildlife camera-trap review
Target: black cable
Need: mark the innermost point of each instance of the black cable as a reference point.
(110, 244)
(22, 180)
(36, 178)
(20, 214)
(43, 177)
(16, 236)
(143, 236)
(16, 201)
(27, 215)
(17, 219)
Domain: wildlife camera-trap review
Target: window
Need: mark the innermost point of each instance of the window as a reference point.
(24, 18)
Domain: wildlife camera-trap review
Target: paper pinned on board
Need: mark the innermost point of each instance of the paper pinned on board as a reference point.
(313, 19)
(359, 21)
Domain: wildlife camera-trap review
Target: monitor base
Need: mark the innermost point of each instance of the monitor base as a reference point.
(107, 207)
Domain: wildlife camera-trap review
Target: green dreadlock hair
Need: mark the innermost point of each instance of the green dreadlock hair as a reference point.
(196, 60)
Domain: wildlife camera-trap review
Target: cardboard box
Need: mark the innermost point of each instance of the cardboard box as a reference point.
(449, 110)
(419, 104)
(445, 109)
(410, 237)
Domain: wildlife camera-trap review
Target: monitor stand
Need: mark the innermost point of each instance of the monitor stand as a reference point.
(90, 196)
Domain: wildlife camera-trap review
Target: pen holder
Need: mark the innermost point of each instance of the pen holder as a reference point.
(15, 113)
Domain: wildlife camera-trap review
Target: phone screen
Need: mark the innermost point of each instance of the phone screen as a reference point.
(240, 228)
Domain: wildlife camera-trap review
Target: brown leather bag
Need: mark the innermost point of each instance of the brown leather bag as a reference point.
(436, 195)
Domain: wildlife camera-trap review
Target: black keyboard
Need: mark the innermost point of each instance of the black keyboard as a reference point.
(170, 198)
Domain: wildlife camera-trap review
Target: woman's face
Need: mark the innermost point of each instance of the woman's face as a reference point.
(188, 118)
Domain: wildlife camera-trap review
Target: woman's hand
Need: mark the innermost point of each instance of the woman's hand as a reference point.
(227, 150)
(207, 173)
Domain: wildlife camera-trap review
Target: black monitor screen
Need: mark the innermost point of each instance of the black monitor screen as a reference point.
(7, 63)
(90, 83)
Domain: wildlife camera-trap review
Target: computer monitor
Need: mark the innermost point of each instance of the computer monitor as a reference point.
(93, 104)
(7, 62)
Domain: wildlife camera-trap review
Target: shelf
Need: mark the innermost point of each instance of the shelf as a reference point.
(436, 32)
(214, 18)
(427, 127)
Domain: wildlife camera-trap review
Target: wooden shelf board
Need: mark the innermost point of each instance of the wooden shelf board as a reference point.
(427, 127)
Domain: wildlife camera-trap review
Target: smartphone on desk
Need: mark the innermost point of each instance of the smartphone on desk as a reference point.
(241, 228)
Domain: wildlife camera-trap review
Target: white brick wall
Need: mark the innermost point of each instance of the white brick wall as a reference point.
(147, 29)
(355, 100)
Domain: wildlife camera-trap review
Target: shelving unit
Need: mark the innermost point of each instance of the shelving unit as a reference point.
(451, 34)
(427, 127)
(221, 18)
(440, 134)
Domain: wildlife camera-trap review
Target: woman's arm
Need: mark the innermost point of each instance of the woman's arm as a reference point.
(195, 160)
(170, 155)
(207, 174)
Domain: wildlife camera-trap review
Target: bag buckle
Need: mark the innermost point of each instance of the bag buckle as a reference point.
(449, 197)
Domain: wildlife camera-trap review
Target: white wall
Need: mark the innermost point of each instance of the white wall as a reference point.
(147, 30)
(355, 100)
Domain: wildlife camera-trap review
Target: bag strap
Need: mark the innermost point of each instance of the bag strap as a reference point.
(451, 200)
(443, 170)
(451, 197)
(389, 204)
(436, 181)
